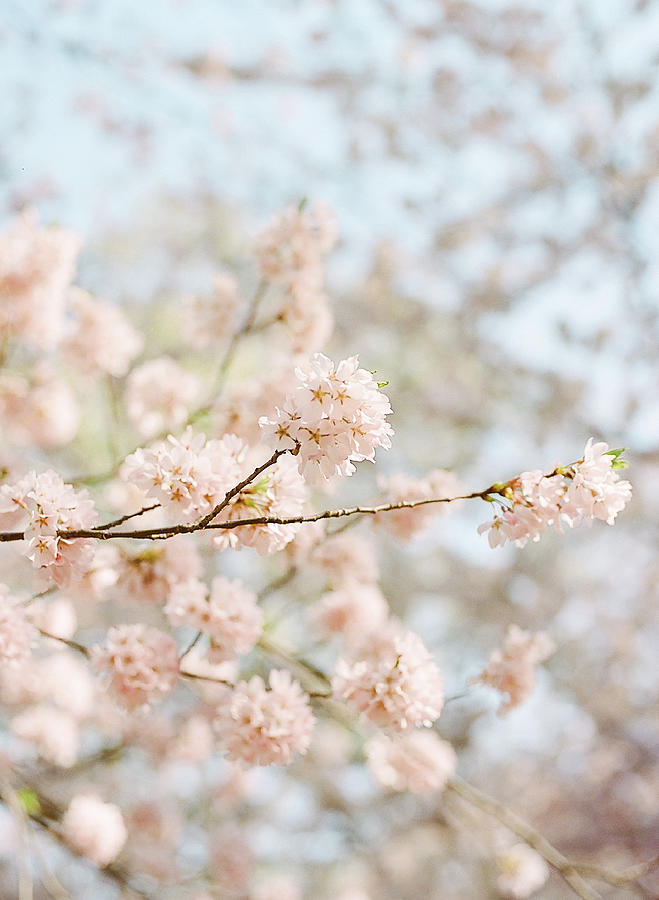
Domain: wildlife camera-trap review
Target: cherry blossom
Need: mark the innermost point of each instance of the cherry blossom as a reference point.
(142, 663)
(522, 872)
(511, 670)
(405, 523)
(392, 681)
(336, 415)
(17, 633)
(159, 395)
(102, 339)
(418, 761)
(230, 615)
(211, 320)
(266, 726)
(43, 505)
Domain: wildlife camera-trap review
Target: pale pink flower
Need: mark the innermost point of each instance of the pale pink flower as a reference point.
(17, 634)
(418, 761)
(522, 872)
(266, 726)
(43, 505)
(142, 663)
(305, 315)
(36, 268)
(239, 409)
(405, 523)
(159, 395)
(187, 476)
(230, 615)
(54, 733)
(343, 557)
(336, 416)
(280, 492)
(291, 249)
(194, 741)
(511, 670)
(212, 320)
(102, 341)
(94, 829)
(392, 681)
(589, 489)
(42, 412)
(154, 827)
(353, 610)
(149, 576)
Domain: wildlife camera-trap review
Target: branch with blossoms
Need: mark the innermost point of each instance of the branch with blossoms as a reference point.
(213, 642)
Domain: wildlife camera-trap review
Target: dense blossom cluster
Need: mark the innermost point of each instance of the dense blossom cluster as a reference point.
(392, 681)
(266, 726)
(36, 268)
(17, 634)
(418, 761)
(212, 320)
(354, 610)
(41, 410)
(589, 489)
(42, 505)
(336, 415)
(230, 614)
(511, 670)
(142, 663)
(102, 340)
(159, 395)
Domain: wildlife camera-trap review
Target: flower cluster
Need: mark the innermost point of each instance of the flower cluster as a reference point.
(149, 576)
(211, 320)
(264, 726)
(405, 523)
(230, 615)
(41, 410)
(336, 416)
(36, 268)
(159, 394)
(511, 670)
(142, 662)
(43, 505)
(522, 872)
(589, 489)
(392, 681)
(291, 249)
(102, 339)
(94, 829)
(17, 634)
(187, 476)
(419, 761)
(279, 492)
(354, 610)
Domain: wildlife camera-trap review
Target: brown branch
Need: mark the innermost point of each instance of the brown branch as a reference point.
(566, 868)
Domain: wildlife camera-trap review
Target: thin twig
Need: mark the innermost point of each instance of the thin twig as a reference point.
(530, 835)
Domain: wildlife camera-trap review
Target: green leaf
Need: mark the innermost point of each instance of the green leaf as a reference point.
(304, 202)
(29, 801)
(382, 384)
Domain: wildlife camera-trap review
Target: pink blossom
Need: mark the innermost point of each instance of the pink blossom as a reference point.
(148, 576)
(94, 829)
(343, 557)
(142, 663)
(211, 320)
(418, 761)
(266, 726)
(393, 681)
(102, 340)
(336, 415)
(511, 670)
(522, 872)
(231, 860)
(230, 615)
(589, 489)
(291, 249)
(280, 492)
(42, 411)
(353, 610)
(54, 733)
(159, 394)
(44, 505)
(187, 476)
(36, 268)
(17, 634)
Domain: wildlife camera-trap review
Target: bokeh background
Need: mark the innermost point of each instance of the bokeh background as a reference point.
(494, 167)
